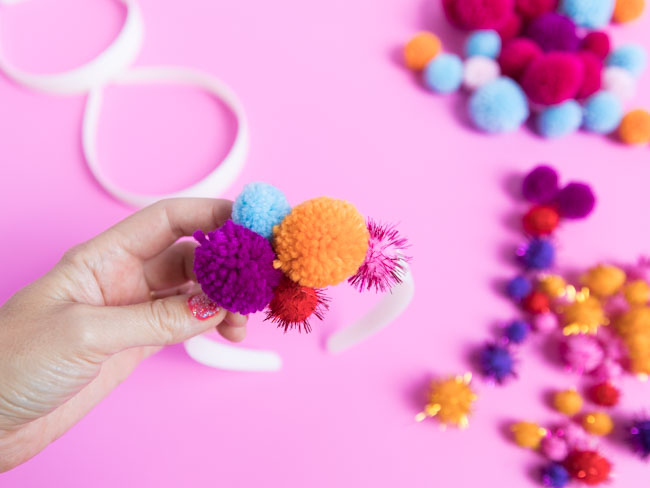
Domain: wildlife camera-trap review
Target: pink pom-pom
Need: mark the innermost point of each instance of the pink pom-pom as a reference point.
(553, 78)
(581, 353)
(516, 55)
(608, 370)
(478, 14)
(593, 68)
(554, 447)
(575, 436)
(531, 9)
(545, 322)
(511, 28)
(597, 43)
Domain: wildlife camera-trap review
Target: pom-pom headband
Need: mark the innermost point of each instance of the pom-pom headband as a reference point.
(274, 258)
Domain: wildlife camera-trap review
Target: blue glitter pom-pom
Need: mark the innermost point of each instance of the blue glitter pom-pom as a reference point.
(555, 476)
(496, 362)
(517, 331)
(540, 254)
(259, 207)
(519, 288)
(640, 438)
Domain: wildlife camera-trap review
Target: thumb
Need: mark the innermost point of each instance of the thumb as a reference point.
(156, 323)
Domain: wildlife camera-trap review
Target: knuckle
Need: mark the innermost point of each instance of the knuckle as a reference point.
(79, 330)
(73, 256)
(165, 319)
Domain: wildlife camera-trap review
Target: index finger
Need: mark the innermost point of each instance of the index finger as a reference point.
(153, 229)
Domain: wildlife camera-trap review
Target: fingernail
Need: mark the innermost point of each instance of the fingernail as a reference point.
(202, 307)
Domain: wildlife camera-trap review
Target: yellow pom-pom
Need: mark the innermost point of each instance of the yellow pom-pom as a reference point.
(637, 292)
(598, 423)
(627, 10)
(604, 280)
(553, 286)
(634, 321)
(450, 401)
(568, 402)
(321, 242)
(528, 434)
(635, 127)
(421, 49)
(584, 316)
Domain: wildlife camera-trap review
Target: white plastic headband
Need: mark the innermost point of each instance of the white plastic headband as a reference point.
(224, 356)
(214, 183)
(114, 59)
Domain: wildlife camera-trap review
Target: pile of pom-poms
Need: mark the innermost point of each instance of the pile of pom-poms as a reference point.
(275, 257)
(547, 57)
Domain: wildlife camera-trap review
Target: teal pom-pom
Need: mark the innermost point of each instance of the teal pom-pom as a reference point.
(560, 120)
(259, 207)
(444, 73)
(498, 106)
(588, 13)
(483, 43)
(631, 57)
(603, 112)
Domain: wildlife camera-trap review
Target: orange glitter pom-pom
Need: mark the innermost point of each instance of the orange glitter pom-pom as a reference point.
(635, 127)
(627, 10)
(421, 49)
(450, 401)
(321, 242)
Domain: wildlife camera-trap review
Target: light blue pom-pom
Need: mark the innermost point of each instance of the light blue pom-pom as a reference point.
(592, 14)
(631, 57)
(444, 73)
(498, 106)
(560, 120)
(483, 43)
(259, 207)
(603, 112)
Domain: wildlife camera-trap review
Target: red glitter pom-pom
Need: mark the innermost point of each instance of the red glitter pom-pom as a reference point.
(292, 305)
(536, 303)
(541, 220)
(588, 466)
(604, 394)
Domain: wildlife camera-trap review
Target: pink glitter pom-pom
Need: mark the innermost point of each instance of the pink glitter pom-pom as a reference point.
(554, 447)
(608, 370)
(617, 305)
(575, 436)
(581, 353)
(545, 322)
(383, 267)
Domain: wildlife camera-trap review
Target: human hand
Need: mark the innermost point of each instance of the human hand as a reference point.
(70, 337)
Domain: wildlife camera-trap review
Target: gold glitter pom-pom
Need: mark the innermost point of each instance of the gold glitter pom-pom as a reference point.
(450, 401)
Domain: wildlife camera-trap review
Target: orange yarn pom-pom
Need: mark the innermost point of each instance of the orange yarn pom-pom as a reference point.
(321, 242)
(635, 127)
(627, 10)
(421, 49)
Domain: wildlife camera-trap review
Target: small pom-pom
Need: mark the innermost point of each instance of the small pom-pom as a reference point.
(583, 316)
(478, 71)
(592, 14)
(553, 285)
(292, 305)
(637, 292)
(604, 280)
(598, 43)
(444, 73)
(537, 303)
(632, 57)
(450, 401)
(608, 370)
(541, 220)
(628, 10)
(604, 394)
(555, 476)
(519, 287)
(635, 127)
(560, 120)
(528, 435)
(478, 14)
(498, 106)
(567, 402)
(588, 466)
(496, 362)
(554, 448)
(531, 9)
(553, 78)
(575, 201)
(539, 254)
(598, 423)
(592, 80)
(581, 353)
(421, 49)
(517, 331)
(545, 322)
(575, 436)
(516, 55)
(554, 32)
(384, 264)
(486, 43)
(619, 82)
(234, 267)
(259, 207)
(639, 437)
(540, 185)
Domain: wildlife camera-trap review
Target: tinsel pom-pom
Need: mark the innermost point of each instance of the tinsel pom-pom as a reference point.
(588, 466)
(259, 207)
(575, 436)
(450, 401)
(581, 353)
(517, 331)
(554, 448)
(292, 305)
(541, 220)
(496, 362)
(519, 288)
(537, 303)
(234, 267)
(539, 254)
(604, 394)
(383, 266)
(640, 437)
(555, 476)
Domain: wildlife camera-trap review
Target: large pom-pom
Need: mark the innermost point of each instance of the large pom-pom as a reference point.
(292, 305)
(640, 437)
(478, 14)
(588, 466)
(581, 353)
(498, 106)
(592, 79)
(321, 242)
(540, 185)
(555, 476)
(496, 362)
(554, 32)
(511, 27)
(575, 201)
(516, 55)
(450, 401)
(234, 267)
(553, 78)
(259, 207)
(560, 120)
(531, 9)
(444, 73)
(383, 266)
(588, 13)
(539, 254)
(421, 49)
(598, 43)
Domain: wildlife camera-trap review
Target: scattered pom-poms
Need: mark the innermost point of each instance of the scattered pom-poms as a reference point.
(528, 434)
(639, 437)
(604, 394)
(496, 362)
(421, 49)
(540, 185)
(568, 402)
(588, 466)
(444, 73)
(292, 305)
(635, 127)
(598, 423)
(450, 401)
(498, 106)
(555, 476)
(259, 207)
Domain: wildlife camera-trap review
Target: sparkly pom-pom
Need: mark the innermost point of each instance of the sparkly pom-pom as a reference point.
(539, 254)
(554, 447)
(519, 288)
(234, 267)
(545, 322)
(450, 401)
(575, 436)
(541, 220)
(292, 305)
(537, 303)
(259, 207)
(517, 331)
(598, 423)
(604, 394)
(567, 402)
(496, 362)
(575, 201)
(555, 476)
(540, 185)
(581, 353)
(587, 466)
(528, 434)
(639, 437)
(383, 266)
(584, 316)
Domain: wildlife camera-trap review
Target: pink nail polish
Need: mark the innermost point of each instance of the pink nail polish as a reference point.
(202, 307)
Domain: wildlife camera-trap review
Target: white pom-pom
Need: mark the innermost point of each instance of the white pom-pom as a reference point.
(479, 70)
(620, 82)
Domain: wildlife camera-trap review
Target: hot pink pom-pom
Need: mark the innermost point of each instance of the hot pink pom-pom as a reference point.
(593, 67)
(516, 55)
(545, 322)
(553, 78)
(597, 43)
(478, 14)
(510, 28)
(581, 353)
(575, 436)
(555, 448)
(608, 370)
(531, 9)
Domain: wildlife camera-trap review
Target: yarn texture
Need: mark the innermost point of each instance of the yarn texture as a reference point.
(259, 207)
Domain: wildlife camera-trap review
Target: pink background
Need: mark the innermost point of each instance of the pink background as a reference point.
(331, 112)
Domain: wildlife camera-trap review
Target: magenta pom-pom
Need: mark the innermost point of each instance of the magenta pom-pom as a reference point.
(598, 43)
(510, 28)
(553, 78)
(516, 55)
(581, 353)
(531, 9)
(575, 201)
(478, 14)
(540, 185)
(554, 32)
(593, 68)
(545, 322)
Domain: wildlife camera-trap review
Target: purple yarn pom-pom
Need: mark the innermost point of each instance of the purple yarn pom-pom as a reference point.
(554, 32)
(540, 185)
(234, 267)
(575, 201)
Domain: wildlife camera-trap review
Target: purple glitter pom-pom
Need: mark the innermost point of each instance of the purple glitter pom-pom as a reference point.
(234, 267)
